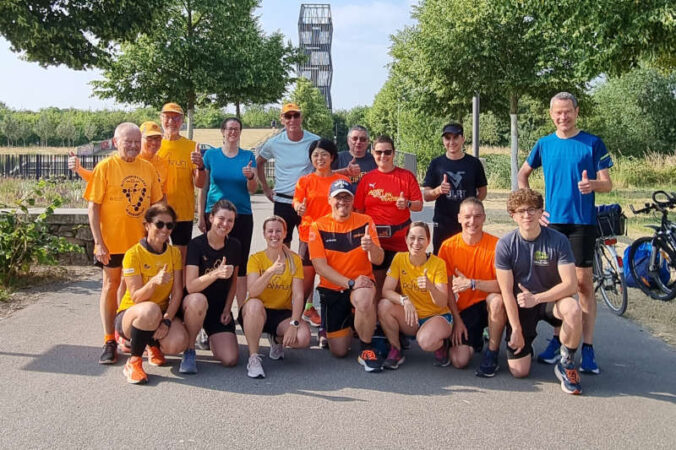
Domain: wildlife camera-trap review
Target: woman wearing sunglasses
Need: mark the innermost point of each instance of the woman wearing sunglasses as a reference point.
(211, 276)
(388, 194)
(151, 313)
(231, 174)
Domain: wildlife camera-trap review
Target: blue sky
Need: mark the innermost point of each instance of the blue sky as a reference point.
(361, 40)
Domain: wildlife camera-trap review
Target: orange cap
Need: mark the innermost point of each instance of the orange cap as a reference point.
(288, 107)
(172, 108)
(150, 128)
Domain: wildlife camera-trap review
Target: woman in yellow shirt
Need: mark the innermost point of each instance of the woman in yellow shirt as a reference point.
(275, 303)
(416, 300)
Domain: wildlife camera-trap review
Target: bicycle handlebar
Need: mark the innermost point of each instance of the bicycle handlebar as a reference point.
(657, 204)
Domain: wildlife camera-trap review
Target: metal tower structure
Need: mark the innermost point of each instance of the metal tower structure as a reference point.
(315, 32)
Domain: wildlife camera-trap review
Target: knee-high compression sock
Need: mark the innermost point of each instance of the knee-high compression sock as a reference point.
(139, 340)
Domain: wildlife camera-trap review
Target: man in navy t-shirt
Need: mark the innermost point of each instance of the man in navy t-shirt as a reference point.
(575, 165)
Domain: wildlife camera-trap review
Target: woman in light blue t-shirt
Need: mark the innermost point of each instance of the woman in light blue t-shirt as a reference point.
(231, 175)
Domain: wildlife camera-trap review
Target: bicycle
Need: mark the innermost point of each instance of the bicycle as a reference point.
(608, 273)
(658, 278)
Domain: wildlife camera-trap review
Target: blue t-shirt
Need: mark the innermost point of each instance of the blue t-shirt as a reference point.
(292, 161)
(563, 161)
(226, 179)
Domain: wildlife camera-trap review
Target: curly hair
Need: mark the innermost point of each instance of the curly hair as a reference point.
(524, 197)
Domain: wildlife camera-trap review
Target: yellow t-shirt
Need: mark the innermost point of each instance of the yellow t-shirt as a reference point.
(406, 273)
(277, 294)
(161, 166)
(140, 261)
(125, 190)
(180, 188)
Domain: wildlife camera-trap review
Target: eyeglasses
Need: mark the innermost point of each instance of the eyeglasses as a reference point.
(347, 198)
(233, 130)
(383, 152)
(159, 224)
(359, 138)
(289, 116)
(524, 212)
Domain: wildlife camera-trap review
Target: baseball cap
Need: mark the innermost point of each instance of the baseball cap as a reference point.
(453, 128)
(150, 128)
(290, 107)
(172, 108)
(340, 186)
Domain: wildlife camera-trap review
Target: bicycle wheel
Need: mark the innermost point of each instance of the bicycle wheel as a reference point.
(654, 286)
(610, 278)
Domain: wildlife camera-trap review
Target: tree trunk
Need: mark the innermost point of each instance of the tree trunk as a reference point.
(475, 125)
(189, 116)
(513, 110)
(237, 109)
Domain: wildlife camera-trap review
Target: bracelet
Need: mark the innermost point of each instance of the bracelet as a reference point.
(472, 283)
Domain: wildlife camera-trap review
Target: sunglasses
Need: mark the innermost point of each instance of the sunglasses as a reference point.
(159, 224)
(383, 152)
(289, 116)
(359, 138)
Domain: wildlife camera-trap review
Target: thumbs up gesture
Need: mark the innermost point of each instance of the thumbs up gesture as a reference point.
(196, 157)
(248, 171)
(460, 282)
(585, 185)
(73, 161)
(300, 209)
(445, 186)
(401, 201)
(353, 168)
(278, 267)
(366, 241)
(525, 298)
(423, 281)
(224, 270)
(162, 277)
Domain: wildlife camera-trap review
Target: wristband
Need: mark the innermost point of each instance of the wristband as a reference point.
(472, 283)
(167, 322)
(402, 299)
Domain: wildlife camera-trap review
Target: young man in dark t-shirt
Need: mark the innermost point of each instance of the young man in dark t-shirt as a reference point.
(449, 180)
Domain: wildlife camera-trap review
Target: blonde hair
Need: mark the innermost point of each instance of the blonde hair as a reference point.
(287, 253)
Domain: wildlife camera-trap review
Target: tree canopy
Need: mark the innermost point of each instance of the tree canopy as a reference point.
(316, 115)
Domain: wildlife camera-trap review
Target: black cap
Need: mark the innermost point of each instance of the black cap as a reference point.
(454, 128)
(339, 186)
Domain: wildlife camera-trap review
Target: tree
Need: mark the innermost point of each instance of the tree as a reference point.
(316, 115)
(44, 128)
(8, 126)
(77, 33)
(200, 52)
(67, 131)
(89, 131)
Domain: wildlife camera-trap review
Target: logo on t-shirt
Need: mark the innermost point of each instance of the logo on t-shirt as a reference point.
(540, 258)
(456, 179)
(134, 189)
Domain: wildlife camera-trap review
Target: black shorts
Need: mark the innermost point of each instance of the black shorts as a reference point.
(114, 262)
(212, 322)
(182, 233)
(304, 253)
(118, 324)
(529, 318)
(443, 232)
(387, 260)
(337, 315)
(273, 317)
(582, 239)
(286, 212)
(475, 318)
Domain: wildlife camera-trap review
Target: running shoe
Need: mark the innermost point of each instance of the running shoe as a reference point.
(394, 359)
(123, 344)
(588, 363)
(441, 358)
(312, 317)
(109, 355)
(202, 341)
(323, 340)
(133, 370)
(369, 360)
(254, 368)
(569, 378)
(188, 362)
(276, 350)
(489, 364)
(552, 353)
(155, 356)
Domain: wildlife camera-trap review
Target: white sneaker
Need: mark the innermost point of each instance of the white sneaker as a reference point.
(254, 367)
(276, 350)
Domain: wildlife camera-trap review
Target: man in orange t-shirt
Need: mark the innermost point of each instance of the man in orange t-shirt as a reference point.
(343, 246)
(470, 262)
(122, 188)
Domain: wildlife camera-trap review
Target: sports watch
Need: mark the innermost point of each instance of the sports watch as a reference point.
(294, 323)
(350, 284)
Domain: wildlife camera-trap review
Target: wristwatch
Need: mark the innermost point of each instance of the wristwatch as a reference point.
(408, 205)
(350, 284)
(294, 323)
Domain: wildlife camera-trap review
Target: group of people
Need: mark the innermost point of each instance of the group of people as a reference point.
(353, 214)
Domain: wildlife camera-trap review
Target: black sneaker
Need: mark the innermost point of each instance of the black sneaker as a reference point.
(109, 355)
(370, 360)
(489, 364)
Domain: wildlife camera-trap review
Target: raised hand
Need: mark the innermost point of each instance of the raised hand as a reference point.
(461, 282)
(401, 201)
(302, 207)
(196, 157)
(353, 168)
(162, 277)
(423, 281)
(585, 185)
(525, 298)
(366, 241)
(73, 161)
(248, 171)
(224, 270)
(277, 268)
(445, 186)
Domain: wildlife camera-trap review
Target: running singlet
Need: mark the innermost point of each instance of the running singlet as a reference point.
(473, 261)
(340, 244)
(180, 188)
(277, 294)
(140, 261)
(377, 196)
(407, 274)
(125, 190)
(315, 190)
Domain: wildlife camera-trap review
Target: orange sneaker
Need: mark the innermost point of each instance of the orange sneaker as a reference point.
(155, 356)
(311, 316)
(134, 372)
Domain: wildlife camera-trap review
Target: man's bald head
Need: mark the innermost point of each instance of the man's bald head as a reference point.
(127, 140)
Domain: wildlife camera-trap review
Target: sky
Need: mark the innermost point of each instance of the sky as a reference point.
(361, 41)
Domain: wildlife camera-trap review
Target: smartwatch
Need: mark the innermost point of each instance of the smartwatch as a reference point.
(350, 284)
(167, 322)
(294, 323)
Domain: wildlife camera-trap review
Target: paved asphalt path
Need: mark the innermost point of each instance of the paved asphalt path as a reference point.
(55, 395)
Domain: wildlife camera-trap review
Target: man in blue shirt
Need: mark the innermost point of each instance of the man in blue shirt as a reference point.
(576, 165)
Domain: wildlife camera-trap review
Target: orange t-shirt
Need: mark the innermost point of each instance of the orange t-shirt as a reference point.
(474, 261)
(125, 190)
(180, 188)
(340, 244)
(315, 190)
(161, 166)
